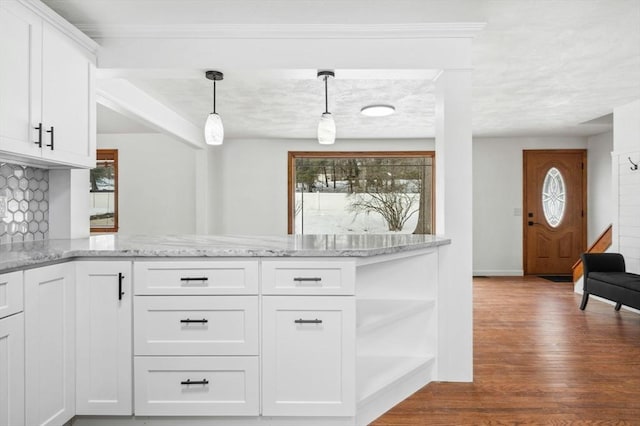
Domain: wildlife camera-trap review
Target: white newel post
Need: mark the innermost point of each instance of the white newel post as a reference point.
(454, 220)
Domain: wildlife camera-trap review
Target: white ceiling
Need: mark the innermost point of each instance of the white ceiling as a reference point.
(541, 67)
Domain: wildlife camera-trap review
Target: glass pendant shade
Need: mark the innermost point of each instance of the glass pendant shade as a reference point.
(326, 129)
(213, 130)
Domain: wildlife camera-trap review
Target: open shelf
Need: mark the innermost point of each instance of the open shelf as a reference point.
(373, 313)
(375, 373)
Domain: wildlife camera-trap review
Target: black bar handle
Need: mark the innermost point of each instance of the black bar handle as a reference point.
(195, 382)
(194, 279)
(303, 279)
(303, 321)
(51, 144)
(189, 321)
(120, 292)
(39, 141)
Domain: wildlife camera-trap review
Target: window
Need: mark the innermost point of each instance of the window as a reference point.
(104, 192)
(553, 197)
(361, 192)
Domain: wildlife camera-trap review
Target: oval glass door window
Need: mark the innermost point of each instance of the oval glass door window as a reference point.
(553, 197)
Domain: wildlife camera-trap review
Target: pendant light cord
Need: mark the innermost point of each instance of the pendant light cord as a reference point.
(214, 96)
(326, 96)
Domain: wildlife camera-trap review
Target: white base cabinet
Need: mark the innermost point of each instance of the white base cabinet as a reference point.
(308, 356)
(12, 370)
(50, 323)
(103, 361)
(283, 342)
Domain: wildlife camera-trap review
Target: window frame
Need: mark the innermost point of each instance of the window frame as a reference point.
(109, 155)
(294, 155)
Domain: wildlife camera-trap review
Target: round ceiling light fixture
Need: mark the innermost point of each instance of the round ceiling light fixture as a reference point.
(378, 110)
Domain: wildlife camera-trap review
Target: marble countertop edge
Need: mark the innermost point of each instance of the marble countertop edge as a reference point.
(33, 254)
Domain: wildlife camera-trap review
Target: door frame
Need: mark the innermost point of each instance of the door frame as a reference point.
(583, 232)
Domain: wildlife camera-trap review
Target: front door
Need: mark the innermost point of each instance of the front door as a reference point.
(554, 210)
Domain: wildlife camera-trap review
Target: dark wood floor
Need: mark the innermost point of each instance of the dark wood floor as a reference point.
(538, 360)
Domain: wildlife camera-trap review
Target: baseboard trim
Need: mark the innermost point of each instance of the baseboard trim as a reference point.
(499, 273)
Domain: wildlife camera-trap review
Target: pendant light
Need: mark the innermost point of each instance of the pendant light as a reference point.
(326, 127)
(213, 130)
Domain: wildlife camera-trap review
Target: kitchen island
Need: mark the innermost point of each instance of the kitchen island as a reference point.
(227, 330)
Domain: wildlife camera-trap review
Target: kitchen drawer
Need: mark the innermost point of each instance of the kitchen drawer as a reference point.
(11, 290)
(199, 277)
(228, 386)
(298, 277)
(196, 325)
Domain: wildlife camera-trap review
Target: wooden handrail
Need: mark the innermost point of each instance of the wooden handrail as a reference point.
(602, 243)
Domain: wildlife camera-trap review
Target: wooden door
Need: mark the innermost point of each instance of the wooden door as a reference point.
(554, 213)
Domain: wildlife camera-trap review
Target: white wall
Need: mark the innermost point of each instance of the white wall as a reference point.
(156, 177)
(626, 184)
(600, 210)
(497, 199)
(249, 180)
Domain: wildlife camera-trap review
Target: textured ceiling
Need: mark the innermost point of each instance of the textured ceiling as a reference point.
(542, 67)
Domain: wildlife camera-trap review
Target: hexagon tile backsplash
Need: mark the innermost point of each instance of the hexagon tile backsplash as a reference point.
(24, 203)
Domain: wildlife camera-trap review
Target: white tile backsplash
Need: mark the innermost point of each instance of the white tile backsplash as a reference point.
(24, 203)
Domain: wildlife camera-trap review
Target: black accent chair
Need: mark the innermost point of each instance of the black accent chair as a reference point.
(605, 276)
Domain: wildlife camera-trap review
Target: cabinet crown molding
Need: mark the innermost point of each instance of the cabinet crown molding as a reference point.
(62, 25)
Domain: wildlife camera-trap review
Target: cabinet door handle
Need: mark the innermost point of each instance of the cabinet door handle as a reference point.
(304, 321)
(189, 321)
(307, 279)
(52, 133)
(120, 292)
(195, 382)
(194, 279)
(39, 141)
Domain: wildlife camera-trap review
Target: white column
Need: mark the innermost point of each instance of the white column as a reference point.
(68, 203)
(201, 185)
(454, 220)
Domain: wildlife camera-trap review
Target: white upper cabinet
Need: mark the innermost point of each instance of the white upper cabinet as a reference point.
(20, 31)
(47, 85)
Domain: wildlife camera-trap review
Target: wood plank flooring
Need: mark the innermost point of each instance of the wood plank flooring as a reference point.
(538, 360)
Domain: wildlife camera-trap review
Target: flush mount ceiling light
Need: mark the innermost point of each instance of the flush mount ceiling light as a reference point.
(377, 110)
(326, 127)
(213, 130)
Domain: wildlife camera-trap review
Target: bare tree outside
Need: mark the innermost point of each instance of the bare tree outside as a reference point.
(362, 193)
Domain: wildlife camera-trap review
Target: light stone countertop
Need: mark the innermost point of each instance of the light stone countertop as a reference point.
(30, 254)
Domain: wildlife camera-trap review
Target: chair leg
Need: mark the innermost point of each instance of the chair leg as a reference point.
(585, 299)
(618, 305)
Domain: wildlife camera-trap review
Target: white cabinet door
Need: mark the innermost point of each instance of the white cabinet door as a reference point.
(68, 107)
(308, 358)
(104, 355)
(12, 370)
(49, 316)
(20, 53)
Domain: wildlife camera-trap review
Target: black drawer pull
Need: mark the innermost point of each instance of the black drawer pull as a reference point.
(120, 292)
(194, 279)
(39, 141)
(303, 321)
(190, 321)
(195, 382)
(306, 279)
(50, 145)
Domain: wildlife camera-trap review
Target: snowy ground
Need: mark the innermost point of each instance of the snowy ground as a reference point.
(327, 213)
